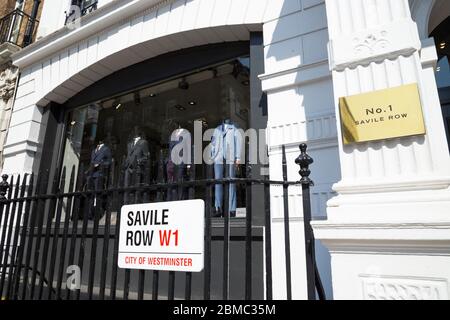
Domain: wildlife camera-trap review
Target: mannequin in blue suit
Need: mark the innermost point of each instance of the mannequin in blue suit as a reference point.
(226, 154)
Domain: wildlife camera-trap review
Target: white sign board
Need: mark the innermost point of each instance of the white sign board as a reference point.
(165, 236)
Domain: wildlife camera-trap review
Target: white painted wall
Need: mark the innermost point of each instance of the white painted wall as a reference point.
(54, 15)
(301, 108)
(388, 229)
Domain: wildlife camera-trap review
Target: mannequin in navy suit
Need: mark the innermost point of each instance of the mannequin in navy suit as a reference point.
(98, 169)
(100, 161)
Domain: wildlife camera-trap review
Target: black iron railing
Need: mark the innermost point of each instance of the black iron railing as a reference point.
(42, 233)
(18, 28)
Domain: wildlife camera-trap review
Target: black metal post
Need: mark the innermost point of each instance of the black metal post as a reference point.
(7, 231)
(304, 161)
(268, 239)
(23, 238)
(287, 237)
(208, 211)
(55, 236)
(226, 235)
(248, 229)
(65, 238)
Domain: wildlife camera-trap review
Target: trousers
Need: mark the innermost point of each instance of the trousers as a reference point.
(95, 183)
(218, 174)
(175, 173)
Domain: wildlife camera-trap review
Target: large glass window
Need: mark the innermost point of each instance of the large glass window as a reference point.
(138, 130)
(442, 38)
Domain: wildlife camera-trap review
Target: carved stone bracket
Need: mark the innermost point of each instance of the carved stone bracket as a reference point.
(8, 78)
(371, 43)
(376, 44)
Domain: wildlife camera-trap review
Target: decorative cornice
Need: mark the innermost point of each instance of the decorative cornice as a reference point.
(384, 238)
(384, 185)
(303, 74)
(90, 24)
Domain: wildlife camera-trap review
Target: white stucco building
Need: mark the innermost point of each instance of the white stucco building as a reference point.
(383, 207)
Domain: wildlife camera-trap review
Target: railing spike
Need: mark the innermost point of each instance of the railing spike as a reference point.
(4, 185)
(304, 161)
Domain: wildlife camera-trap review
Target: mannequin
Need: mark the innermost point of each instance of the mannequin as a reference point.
(138, 156)
(226, 154)
(98, 171)
(176, 162)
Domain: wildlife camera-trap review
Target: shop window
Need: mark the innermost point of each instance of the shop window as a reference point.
(139, 130)
(442, 38)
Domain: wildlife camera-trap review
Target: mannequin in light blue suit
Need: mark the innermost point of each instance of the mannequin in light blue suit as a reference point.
(226, 146)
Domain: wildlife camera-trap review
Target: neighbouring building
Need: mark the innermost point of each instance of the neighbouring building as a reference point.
(18, 24)
(381, 207)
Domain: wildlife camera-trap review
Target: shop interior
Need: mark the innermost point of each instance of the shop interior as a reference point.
(211, 96)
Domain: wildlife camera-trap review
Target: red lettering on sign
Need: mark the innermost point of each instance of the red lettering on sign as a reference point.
(166, 235)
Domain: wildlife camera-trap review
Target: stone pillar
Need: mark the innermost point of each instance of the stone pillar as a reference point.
(300, 108)
(388, 229)
(8, 79)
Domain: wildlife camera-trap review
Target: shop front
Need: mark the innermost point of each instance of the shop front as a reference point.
(139, 91)
(110, 101)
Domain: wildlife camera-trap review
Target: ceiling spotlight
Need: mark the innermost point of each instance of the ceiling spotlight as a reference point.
(180, 107)
(118, 106)
(442, 45)
(192, 103)
(73, 123)
(152, 95)
(183, 84)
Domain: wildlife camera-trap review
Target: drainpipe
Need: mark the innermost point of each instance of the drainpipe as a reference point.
(28, 38)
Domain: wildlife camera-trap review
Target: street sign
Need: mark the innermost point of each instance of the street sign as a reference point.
(166, 236)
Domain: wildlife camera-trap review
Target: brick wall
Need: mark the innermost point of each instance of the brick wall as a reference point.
(6, 6)
(29, 7)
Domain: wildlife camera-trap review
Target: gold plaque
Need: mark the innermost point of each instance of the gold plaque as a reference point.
(384, 114)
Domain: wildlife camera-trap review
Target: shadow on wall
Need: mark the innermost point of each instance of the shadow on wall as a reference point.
(299, 40)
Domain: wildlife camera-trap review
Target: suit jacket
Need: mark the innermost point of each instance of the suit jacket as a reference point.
(136, 154)
(226, 144)
(100, 159)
